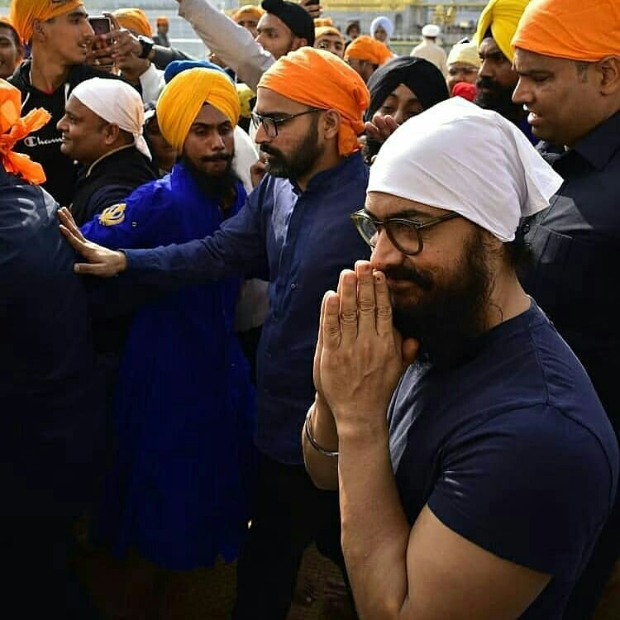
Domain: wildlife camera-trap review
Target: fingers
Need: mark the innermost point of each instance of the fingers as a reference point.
(365, 297)
(331, 322)
(113, 20)
(384, 323)
(65, 217)
(347, 291)
(372, 130)
(409, 348)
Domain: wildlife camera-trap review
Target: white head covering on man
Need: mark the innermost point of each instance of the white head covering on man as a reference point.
(459, 157)
(115, 102)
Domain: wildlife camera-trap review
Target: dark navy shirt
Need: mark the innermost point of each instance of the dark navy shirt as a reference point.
(51, 399)
(300, 242)
(512, 450)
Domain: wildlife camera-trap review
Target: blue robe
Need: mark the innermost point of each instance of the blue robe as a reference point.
(178, 491)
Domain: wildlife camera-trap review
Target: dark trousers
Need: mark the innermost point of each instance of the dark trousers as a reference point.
(38, 581)
(289, 513)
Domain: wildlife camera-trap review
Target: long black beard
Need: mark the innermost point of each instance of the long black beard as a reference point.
(451, 318)
(221, 188)
(499, 100)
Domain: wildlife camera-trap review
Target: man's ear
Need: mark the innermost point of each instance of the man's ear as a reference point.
(331, 124)
(38, 31)
(111, 133)
(608, 70)
(298, 42)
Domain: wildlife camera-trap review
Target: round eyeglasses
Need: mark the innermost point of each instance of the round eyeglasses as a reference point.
(404, 233)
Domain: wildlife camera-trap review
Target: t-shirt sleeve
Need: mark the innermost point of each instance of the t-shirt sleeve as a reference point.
(531, 486)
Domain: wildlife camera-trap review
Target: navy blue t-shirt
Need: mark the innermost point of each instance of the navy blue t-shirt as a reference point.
(512, 450)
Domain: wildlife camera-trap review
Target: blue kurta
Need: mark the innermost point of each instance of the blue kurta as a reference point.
(184, 407)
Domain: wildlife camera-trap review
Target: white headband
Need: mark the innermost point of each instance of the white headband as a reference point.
(459, 157)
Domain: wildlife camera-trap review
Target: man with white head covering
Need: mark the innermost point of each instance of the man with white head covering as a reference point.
(102, 130)
(455, 495)
(382, 28)
(429, 50)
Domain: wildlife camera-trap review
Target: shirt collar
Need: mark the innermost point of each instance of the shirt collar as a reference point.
(330, 175)
(120, 148)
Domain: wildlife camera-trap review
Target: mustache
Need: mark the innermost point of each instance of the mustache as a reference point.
(412, 275)
(265, 148)
(220, 157)
(488, 83)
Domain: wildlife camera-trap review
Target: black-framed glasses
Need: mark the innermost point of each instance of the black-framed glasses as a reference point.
(404, 233)
(270, 125)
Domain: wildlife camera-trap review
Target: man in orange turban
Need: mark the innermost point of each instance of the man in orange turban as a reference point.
(366, 54)
(163, 25)
(496, 77)
(248, 17)
(567, 56)
(328, 37)
(134, 20)
(296, 229)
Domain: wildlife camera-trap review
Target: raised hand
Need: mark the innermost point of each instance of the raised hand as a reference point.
(101, 261)
(381, 127)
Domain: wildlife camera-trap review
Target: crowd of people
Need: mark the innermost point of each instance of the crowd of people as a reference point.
(309, 291)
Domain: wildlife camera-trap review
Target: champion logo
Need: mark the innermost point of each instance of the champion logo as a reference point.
(34, 141)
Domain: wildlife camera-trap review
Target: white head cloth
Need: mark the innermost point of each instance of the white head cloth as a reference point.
(431, 30)
(384, 22)
(459, 157)
(116, 102)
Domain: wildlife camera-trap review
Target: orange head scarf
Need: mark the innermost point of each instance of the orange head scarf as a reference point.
(24, 12)
(368, 48)
(320, 79)
(248, 9)
(134, 20)
(162, 20)
(574, 29)
(321, 31)
(320, 22)
(14, 128)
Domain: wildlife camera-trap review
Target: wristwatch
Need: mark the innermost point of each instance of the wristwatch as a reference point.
(147, 45)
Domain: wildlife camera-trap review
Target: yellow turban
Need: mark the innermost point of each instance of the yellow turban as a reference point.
(320, 79)
(467, 53)
(245, 94)
(368, 48)
(134, 20)
(183, 97)
(13, 128)
(321, 31)
(24, 12)
(502, 17)
(248, 9)
(576, 29)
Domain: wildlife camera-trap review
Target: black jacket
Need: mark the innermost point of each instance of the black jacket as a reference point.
(43, 146)
(109, 181)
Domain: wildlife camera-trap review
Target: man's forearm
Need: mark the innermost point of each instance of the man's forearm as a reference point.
(375, 531)
(233, 44)
(321, 468)
(161, 56)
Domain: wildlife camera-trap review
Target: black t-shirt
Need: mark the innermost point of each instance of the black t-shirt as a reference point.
(512, 450)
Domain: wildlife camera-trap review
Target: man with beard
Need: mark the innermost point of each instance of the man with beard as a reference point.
(184, 405)
(457, 496)
(294, 231)
(567, 59)
(496, 77)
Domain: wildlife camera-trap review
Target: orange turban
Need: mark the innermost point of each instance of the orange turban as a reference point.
(321, 31)
(319, 22)
(320, 79)
(502, 17)
(574, 29)
(162, 20)
(134, 20)
(248, 9)
(14, 128)
(368, 48)
(24, 12)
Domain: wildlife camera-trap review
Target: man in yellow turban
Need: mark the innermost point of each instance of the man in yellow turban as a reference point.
(61, 41)
(248, 17)
(134, 20)
(295, 229)
(366, 54)
(567, 56)
(328, 37)
(496, 78)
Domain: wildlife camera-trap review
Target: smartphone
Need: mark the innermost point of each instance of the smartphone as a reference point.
(100, 24)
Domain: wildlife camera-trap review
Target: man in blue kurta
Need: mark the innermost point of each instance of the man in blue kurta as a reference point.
(295, 231)
(178, 491)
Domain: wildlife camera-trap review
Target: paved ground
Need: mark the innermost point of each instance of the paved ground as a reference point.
(123, 590)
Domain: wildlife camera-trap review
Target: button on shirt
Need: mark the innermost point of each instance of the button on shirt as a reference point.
(300, 242)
